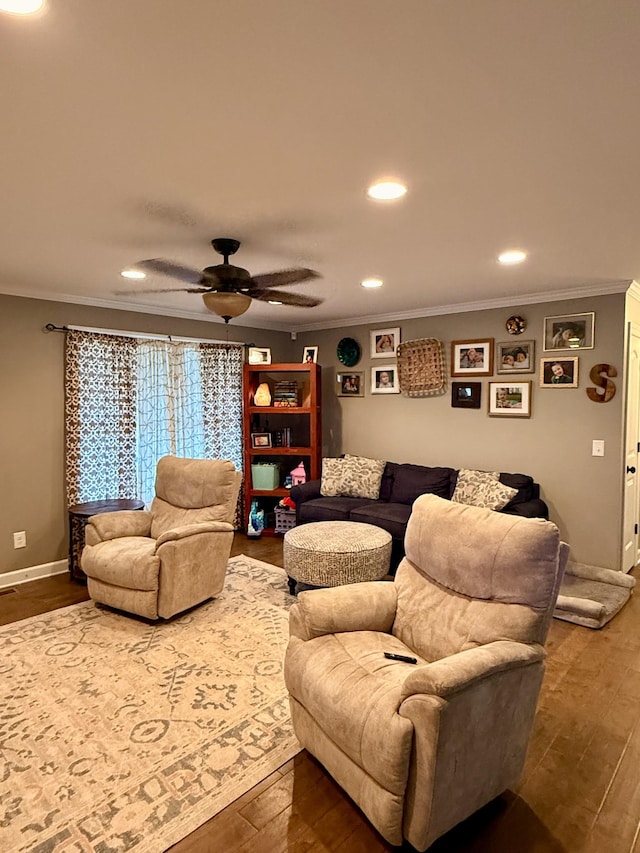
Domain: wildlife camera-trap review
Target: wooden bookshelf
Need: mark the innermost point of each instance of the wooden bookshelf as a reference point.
(303, 423)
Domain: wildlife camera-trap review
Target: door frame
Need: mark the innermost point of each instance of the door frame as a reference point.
(631, 398)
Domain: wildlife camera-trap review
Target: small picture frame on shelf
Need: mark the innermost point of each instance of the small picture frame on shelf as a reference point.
(515, 357)
(559, 372)
(310, 355)
(259, 355)
(466, 395)
(350, 384)
(569, 331)
(472, 358)
(260, 439)
(384, 379)
(510, 399)
(384, 342)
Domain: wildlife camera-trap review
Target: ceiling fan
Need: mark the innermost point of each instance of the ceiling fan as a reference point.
(227, 290)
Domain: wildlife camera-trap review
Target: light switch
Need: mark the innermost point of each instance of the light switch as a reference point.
(597, 447)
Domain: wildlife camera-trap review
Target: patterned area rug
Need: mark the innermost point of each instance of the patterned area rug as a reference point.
(120, 735)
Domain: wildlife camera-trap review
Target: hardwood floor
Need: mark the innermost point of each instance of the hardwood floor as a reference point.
(579, 792)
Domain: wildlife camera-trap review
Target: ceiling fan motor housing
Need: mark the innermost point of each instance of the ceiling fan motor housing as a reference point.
(227, 276)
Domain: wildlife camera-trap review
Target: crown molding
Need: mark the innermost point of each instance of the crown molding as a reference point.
(602, 289)
(94, 302)
(480, 305)
(634, 290)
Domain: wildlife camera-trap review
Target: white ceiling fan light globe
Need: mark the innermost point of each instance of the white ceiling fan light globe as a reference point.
(226, 305)
(371, 283)
(21, 7)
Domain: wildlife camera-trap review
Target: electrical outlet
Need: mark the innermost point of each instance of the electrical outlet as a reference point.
(597, 447)
(20, 539)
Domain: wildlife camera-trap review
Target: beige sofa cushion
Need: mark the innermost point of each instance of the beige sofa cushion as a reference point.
(370, 731)
(129, 561)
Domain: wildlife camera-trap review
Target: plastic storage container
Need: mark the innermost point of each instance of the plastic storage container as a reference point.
(265, 476)
(285, 519)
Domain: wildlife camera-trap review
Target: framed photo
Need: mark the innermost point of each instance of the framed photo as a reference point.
(559, 372)
(350, 384)
(310, 355)
(384, 342)
(466, 395)
(515, 357)
(384, 379)
(260, 439)
(472, 358)
(259, 355)
(569, 331)
(510, 399)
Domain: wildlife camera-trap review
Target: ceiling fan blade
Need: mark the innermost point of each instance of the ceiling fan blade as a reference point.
(163, 290)
(162, 267)
(283, 277)
(299, 299)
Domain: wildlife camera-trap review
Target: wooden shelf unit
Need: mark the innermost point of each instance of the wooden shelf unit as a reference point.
(304, 422)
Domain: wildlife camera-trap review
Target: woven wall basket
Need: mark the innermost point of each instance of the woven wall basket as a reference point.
(421, 367)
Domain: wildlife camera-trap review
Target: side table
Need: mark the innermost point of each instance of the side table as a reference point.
(79, 515)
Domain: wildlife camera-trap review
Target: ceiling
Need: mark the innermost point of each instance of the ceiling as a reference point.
(142, 129)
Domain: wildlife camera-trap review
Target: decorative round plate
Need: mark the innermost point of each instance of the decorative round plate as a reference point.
(349, 352)
(516, 325)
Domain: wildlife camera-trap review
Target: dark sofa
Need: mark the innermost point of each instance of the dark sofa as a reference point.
(401, 484)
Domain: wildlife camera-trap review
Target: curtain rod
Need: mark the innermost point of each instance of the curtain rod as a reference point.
(147, 335)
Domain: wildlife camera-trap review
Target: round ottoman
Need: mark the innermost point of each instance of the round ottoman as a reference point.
(331, 553)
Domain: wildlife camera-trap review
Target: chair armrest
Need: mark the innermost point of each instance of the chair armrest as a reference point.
(114, 525)
(368, 606)
(452, 674)
(186, 530)
(305, 492)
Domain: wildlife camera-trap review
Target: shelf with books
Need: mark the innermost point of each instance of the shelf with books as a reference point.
(275, 437)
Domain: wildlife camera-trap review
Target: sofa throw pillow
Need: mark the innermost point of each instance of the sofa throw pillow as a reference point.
(364, 476)
(332, 477)
(352, 477)
(482, 488)
(411, 481)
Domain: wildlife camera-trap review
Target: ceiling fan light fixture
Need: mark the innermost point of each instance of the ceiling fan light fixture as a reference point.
(137, 274)
(511, 257)
(387, 190)
(226, 305)
(371, 283)
(274, 302)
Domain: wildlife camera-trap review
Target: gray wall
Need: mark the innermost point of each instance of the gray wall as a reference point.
(32, 497)
(554, 446)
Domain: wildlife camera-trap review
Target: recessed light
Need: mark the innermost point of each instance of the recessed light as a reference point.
(386, 190)
(133, 274)
(274, 302)
(371, 282)
(512, 256)
(21, 7)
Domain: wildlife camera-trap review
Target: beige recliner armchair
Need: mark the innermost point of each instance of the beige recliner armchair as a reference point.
(421, 747)
(160, 562)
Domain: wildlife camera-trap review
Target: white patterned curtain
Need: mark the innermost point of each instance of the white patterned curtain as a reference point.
(182, 399)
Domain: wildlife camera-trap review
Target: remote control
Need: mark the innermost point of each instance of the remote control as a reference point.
(403, 658)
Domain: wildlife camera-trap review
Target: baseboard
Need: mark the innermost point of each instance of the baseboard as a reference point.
(32, 573)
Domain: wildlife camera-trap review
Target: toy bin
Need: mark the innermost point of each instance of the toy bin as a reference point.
(285, 519)
(265, 476)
